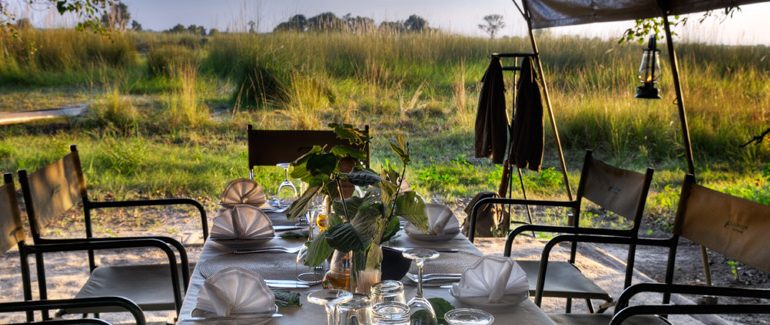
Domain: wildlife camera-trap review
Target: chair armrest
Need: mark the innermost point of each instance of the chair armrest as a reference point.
(183, 258)
(627, 312)
(144, 203)
(87, 244)
(586, 239)
(507, 201)
(561, 229)
(635, 289)
(120, 302)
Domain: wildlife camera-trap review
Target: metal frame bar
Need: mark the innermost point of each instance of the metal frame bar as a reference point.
(42, 305)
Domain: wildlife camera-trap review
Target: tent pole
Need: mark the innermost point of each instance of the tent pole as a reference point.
(685, 127)
(547, 101)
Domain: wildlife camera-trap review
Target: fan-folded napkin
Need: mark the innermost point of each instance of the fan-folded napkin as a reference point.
(235, 291)
(441, 220)
(492, 277)
(243, 191)
(242, 221)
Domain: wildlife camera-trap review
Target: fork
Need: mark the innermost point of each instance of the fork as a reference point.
(443, 277)
(273, 249)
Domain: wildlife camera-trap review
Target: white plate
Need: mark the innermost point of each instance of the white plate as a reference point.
(506, 301)
(417, 235)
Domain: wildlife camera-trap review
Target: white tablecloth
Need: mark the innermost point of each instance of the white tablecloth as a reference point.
(282, 266)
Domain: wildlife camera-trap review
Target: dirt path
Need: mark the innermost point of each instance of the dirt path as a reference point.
(7, 118)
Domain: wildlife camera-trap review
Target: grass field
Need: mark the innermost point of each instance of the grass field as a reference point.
(169, 112)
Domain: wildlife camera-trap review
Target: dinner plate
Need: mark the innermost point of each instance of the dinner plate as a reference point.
(505, 301)
(243, 243)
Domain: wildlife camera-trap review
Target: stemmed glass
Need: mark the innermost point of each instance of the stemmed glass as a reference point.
(286, 190)
(329, 298)
(420, 310)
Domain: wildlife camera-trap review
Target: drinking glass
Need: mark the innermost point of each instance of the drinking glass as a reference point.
(388, 291)
(420, 310)
(286, 191)
(329, 298)
(357, 311)
(390, 313)
(468, 316)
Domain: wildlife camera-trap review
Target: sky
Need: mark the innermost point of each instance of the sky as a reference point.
(457, 16)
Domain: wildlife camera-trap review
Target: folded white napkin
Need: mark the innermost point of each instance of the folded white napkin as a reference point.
(242, 221)
(235, 291)
(492, 277)
(441, 221)
(243, 191)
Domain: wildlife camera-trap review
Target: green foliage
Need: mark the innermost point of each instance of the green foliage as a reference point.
(441, 307)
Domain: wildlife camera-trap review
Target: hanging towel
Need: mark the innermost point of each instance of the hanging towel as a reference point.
(527, 132)
(491, 120)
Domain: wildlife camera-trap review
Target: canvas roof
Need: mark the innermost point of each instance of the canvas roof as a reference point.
(553, 13)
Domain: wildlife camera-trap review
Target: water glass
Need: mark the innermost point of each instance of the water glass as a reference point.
(357, 311)
(390, 313)
(388, 291)
(468, 316)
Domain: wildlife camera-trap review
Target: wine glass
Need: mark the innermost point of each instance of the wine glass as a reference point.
(420, 310)
(286, 191)
(329, 298)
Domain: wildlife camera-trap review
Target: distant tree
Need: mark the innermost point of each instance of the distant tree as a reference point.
(117, 17)
(213, 32)
(136, 26)
(197, 30)
(88, 13)
(416, 23)
(359, 24)
(178, 28)
(492, 24)
(326, 22)
(252, 26)
(392, 26)
(297, 23)
(23, 23)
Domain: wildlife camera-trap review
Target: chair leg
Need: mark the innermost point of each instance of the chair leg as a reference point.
(43, 292)
(568, 308)
(590, 306)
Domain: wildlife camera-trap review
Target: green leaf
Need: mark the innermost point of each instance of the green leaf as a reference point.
(411, 207)
(365, 220)
(318, 251)
(300, 205)
(321, 164)
(342, 151)
(364, 177)
(285, 298)
(401, 148)
(374, 256)
(441, 307)
(351, 206)
(391, 229)
(343, 237)
(350, 133)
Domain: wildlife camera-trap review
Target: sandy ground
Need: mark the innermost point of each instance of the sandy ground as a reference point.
(67, 271)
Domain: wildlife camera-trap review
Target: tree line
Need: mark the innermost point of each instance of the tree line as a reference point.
(329, 22)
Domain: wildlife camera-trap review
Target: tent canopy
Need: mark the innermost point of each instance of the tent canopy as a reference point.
(553, 13)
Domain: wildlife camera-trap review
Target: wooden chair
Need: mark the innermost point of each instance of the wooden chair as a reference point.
(732, 226)
(12, 234)
(270, 147)
(56, 189)
(621, 191)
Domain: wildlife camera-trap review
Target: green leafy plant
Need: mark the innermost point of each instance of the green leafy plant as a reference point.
(358, 224)
(441, 307)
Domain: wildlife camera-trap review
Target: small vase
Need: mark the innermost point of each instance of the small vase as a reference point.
(338, 276)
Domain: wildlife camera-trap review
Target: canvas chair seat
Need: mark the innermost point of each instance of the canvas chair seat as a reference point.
(149, 286)
(603, 319)
(563, 280)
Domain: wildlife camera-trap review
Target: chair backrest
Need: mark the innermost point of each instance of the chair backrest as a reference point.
(270, 147)
(734, 227)
(615, 189)
(51, 191)
(10, 217)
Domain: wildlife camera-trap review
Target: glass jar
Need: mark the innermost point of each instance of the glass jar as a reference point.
(338, 276)
(357, 311)
(390, 313)
(388, 291)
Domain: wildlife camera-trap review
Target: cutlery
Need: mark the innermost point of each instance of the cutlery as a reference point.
(234, 317)
(289, 228)
(273, 249)
(435, 277)
(281, 285)
(440, 250)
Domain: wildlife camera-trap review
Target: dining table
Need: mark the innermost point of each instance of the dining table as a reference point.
(456, 255)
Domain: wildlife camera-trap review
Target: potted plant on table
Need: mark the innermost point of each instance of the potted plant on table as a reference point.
(358, 224)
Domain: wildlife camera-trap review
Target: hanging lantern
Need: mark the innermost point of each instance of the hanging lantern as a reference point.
(649, 70)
